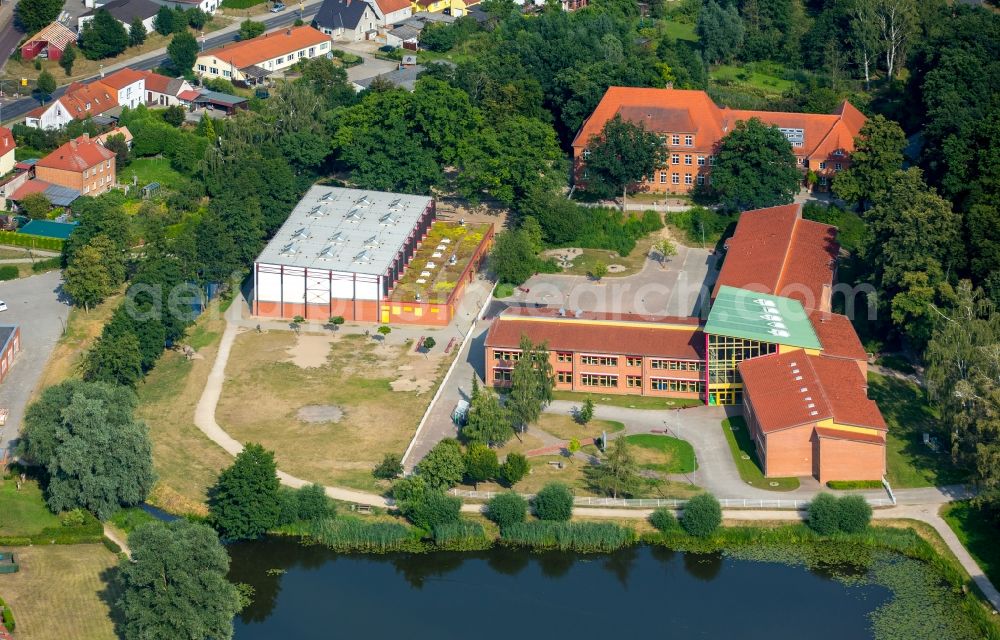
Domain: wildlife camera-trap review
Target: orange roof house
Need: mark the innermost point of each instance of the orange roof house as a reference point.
(775, 250)
(250, 61)
(81, 164)
(692, 126)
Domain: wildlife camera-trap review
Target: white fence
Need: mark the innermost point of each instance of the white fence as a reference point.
(652, 503)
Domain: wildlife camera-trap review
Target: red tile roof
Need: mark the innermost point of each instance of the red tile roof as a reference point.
(76, 155)
(102, 139)
(665, 337)
(156, 82)
(389, 6)
(268, 46)
(7, 143)
(121, 78)
(775, 251)
(837, 335)
(684, 111)
(794, 389)
(28, 188)
(83, 100)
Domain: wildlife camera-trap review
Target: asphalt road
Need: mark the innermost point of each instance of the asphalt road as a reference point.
(34, 305)
(20, 107)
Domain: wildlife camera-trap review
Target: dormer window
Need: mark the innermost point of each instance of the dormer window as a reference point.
(838, 152)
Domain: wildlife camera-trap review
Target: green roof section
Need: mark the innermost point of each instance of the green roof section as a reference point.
(48, 229)
(739, 313)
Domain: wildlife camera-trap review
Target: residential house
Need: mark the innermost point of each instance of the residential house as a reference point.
(125, 12)
(404, 77)
(129, 86)
(102, 139)
(81, 101)
(49, 43)
(691, 127)
(208, 6)
(407, 33)
(347, 20)
(7, 147)
(81, 164)
(162, 91)
(251, 61)
(391, 12)
(453, 8)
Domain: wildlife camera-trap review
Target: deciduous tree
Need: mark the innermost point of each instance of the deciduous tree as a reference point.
(244, 504)
(720, 31)
(33, 15)
(68, 58)
(488, 422)
(755, 167)
(623, 153)
(444, 466)
(183, 51)
(87, 279)
(618, 472)
(481, 463)
(877, 156)
(103, 37)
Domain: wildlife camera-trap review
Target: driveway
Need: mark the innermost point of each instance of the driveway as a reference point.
(677, 288)
(371, 66)
(33, 304)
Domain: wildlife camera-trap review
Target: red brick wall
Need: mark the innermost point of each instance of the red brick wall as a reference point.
(7, 357)
(850, 460)
(789, 452)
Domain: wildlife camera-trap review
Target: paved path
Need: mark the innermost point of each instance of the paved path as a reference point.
(34, 305)
(112, 534)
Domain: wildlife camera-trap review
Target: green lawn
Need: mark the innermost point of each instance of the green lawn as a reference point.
(130, 518)
(745, 456)
(976, 535)
(679, 454)
(152, 170)
(628, 402)
(907, 413)
(679, 30)
(23, 513)
(756, 79)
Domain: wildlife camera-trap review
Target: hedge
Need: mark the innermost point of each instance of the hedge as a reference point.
(9, 272)
(47, 265)
(91, 531)
(241, 4)
(7, 615)
(16, 239)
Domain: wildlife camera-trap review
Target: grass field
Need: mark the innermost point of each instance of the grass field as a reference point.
(583, 264)
(976, 535)
(382, 391)
(628, 402)
(148, 170)
(23, 513)
(565, 427)
(679, 30)
(62, 592)
(663, 453)
(755, 79)
(186, 461)
(745, 456)
(907, 413)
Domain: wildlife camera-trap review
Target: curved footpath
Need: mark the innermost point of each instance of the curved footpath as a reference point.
(204, 419)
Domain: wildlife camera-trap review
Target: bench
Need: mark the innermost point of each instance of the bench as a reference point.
(361, 508)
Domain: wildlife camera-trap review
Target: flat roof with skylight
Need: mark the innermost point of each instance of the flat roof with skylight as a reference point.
(346, 230)
(740, 313)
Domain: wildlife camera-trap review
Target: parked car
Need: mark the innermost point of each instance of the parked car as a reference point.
(278, 7)
(387, 48)
(3, 305)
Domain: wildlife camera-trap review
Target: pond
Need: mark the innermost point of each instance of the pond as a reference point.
(313, 592)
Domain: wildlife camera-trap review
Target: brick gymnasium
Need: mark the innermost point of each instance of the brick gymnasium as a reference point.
(367, 256)
(770, 344)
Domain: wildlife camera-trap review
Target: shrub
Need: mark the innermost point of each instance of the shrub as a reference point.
(8, 616)
(514, 468)
(288, 506)
(390, 468)
(823, 514)
(424, 505)
(111, 545)
(444, 465)
(353, 534)
(74, 518)
(702, 515)
(854, 484)
(8, 272)
(313, 504)
(853, 514)
(506, 509)
(46, 265)
(663, 519)
(554, 502)
(584, 537)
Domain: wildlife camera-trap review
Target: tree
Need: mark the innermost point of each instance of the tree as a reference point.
(554, 502)
(864, 36)
(68, 58)
(313, 504)
(429, 343)
(136, 32)
(183, 51)
(197, 18)
(599, 270)
(176, 566)
(663, 519)
(250, 29)
(87, 279)
(46, 84)
(664, 248)
(702, 515)
(506, 508)
(390, 468)
(624, 153)
(96, 455)
(897, 23)
(36, 206)
(822, 516)
(384, 331)
(488, 422)
(115, 360)
(481, 463)
(103, 37)
(618, 472)
(243, 504)
(877, 156)
(513, 258)
(425, 506)
(34, 15)
(532, 382)
(514, 468)
(853, 514)
(586, 412)
(205, 128)
(117, 145)
(164, 21)
(444, 466)
(720, 31)
(755, 167)
(174, 115)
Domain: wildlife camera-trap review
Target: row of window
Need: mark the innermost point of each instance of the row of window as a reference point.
(609, 361)
(98, 168)
(689, 159)
(509, 356)
(600, 361)
(632, 382)
(675, 140)
(675, 178)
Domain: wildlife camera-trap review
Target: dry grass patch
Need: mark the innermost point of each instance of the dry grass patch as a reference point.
(264, 391)
(187, 463)
(62, 591)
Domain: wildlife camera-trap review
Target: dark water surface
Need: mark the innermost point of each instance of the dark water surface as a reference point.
(641, 592)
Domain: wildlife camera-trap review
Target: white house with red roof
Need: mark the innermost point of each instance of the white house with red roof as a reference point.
(163, 91)
(7, 147)
(129, 86)
(125, 87)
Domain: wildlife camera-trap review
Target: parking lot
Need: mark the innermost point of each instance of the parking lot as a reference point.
(34, 305)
